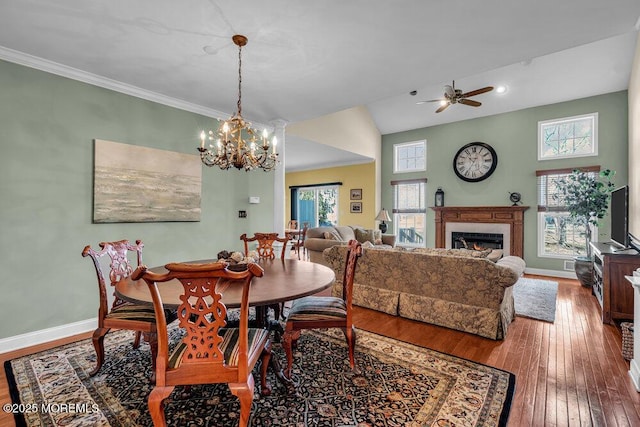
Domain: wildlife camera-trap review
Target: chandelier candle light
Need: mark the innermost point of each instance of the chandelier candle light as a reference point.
(237, 143)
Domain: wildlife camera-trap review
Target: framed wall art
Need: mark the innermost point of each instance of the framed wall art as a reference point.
(141, 184)
(355, 194)
(356, 207)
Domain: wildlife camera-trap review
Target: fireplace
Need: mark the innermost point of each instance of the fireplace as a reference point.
(505, 220)
(477, 241)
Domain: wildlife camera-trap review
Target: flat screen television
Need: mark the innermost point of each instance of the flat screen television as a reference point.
(620, 216)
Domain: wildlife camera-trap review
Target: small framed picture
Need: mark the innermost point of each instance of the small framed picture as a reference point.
(356, 194)
(356, 207)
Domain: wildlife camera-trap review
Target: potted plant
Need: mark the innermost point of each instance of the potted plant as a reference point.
(586, 196)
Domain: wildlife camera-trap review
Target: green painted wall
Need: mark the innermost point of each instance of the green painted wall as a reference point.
(47, 127)
(514, 137)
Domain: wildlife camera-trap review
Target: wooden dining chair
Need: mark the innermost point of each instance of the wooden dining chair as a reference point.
(266, 250)
(314, 312)
(265, 242)
(209, 352)
(297, 244)
(121, 315)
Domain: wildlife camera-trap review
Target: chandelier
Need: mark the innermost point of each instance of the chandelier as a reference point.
(235, 143)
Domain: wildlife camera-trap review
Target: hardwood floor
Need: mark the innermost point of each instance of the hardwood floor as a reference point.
(568, 373)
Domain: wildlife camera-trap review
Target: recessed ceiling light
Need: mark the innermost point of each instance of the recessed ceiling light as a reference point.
(501, 89)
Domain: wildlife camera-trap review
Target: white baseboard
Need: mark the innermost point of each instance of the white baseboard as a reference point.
(552, 273)
(45, 335)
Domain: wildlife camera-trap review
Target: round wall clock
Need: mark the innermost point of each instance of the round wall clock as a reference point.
(475, 161)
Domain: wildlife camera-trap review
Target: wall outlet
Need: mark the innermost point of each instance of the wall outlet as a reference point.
(242, 214)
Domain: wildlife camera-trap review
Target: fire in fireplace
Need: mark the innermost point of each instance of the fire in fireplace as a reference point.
(477, 241)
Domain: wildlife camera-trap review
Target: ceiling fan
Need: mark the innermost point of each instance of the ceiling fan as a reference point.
(455, 96)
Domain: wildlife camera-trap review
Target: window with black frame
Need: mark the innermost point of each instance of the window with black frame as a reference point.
(315, 204)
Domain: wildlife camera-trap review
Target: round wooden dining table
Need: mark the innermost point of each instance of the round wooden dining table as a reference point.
(283, 280)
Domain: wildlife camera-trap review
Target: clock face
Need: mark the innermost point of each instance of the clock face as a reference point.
(475, 161)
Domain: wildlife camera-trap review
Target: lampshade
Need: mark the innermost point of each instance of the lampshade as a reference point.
(383, 216)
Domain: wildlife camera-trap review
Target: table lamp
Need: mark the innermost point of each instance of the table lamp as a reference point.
(383, 216)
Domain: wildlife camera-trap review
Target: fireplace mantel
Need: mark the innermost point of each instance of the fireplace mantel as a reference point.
(512, 215)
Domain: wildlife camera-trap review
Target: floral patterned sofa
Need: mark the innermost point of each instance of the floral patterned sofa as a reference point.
(454, 288)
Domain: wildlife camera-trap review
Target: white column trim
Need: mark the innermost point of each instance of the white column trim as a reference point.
(279, 198)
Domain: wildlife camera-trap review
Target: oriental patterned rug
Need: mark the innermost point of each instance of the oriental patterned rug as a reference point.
(396, 384)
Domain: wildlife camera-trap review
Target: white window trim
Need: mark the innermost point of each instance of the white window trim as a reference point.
(594, 145)
(422, 142)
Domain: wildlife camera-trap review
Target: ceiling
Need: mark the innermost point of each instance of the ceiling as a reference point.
(308, 59)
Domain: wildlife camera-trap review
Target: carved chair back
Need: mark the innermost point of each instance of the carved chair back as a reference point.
(265, 247)
(119, 267)
(209, 352)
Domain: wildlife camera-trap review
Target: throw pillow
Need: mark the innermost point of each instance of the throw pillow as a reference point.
(363, 235)
(332, 235)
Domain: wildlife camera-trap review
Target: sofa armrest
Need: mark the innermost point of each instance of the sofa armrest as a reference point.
(389, 239)
(515, 263)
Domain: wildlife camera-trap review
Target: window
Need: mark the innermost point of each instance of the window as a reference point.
(316, 205)
(410, 212)
(410, 157)
(568, 137)
(558, 235)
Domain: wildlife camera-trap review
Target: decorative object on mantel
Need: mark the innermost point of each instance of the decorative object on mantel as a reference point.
(439, 197)
(383, 216)
(585, 194)
(132, 183)
(515, 198)
(232, 149)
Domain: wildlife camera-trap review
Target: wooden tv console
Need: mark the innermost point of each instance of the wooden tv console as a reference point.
(610, 288)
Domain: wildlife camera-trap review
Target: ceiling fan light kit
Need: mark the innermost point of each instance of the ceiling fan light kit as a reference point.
(455, 96)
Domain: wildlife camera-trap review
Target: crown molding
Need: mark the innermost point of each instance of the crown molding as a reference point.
(45, 65)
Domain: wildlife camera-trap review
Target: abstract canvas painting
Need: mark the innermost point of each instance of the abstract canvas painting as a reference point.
(141, 184)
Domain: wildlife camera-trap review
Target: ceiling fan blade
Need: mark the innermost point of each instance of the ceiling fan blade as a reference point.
(477, 92)
(442, 108)
(470, 102)
(431, 100)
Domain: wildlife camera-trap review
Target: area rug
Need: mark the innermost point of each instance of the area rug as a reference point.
(396, 384)
(536, 299)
